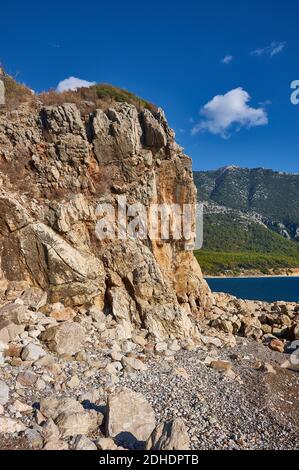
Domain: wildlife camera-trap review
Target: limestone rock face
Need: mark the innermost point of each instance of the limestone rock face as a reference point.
(56, 167)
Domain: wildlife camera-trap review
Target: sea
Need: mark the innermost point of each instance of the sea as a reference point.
(268, 289)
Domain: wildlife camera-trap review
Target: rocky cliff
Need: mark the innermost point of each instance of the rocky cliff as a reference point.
(56, 166)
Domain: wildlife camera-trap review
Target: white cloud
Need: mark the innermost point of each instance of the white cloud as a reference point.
(227, 59)
(272, 50)
(72, 83)
(230, 111)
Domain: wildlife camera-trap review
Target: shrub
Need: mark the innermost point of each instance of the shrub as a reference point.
(97, 96)
(16, 93)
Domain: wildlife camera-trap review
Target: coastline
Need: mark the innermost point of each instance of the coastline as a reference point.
(293, 273)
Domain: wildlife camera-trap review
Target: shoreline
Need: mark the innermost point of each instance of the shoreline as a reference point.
(293, 274)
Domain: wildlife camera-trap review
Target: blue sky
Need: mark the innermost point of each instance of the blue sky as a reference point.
(171, 52)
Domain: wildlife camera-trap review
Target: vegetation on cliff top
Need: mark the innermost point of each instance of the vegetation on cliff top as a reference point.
(87, 99)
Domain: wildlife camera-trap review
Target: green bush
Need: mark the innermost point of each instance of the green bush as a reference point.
(109, 92)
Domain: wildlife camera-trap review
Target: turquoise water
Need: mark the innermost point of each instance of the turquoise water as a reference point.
(268, 289)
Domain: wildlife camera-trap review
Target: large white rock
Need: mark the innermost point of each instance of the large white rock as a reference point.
(32, 352)
(4, 393)
(10, 426)
(83, 443)
(129, 412)
(73, 424)
(66, 338)
(169, 436)
(133, 363)
(52, 407)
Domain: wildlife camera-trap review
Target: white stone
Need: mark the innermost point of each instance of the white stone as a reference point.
(4, 393)
(129, 412)
(33, 352)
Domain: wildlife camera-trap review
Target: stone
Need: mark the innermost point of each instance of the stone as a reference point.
(286, 364)
(129, 412)
(33, 352)
(294, 332)
(133, 363)
(169, 436)
(268, 368)
(34, 438)
(161, 347)
(49, 430)
(45, 361)
(52, 407)
(72, 424)
(10, 426)
(4, 393)
(83, 443)
(106, 443)
(221, 366)
(276, 345)
(34, 297)
(13, 350)
(56, 444)
(154, 134)
(65, 314)
(9, 331)
(181, 372)
(74, 382)
(66, 338)
(174, 346)
(140, 340)
(20, 407)
(116, 356)
(26, 378)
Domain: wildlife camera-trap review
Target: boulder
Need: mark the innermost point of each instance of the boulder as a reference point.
(106, 443)
(49, 430)
(34, 298)
(169, 436)
(56, 444)
(10, 426)
(276, 345)
(32, 352)
(83, 443)
(221, 366)
(52, 407)
(294, 332)
(129, 413)
(133, 363)
(4, 393)
(64, 314)
(72, 424)
(9, 331)
(66, 338)
(26, 378)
